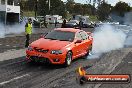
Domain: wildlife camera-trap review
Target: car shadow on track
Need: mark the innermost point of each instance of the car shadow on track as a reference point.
(53, 66)
(21, 61)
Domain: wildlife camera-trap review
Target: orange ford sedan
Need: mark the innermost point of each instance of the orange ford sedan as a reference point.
(60, 46)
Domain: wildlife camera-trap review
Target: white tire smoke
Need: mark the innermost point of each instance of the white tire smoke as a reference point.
(12, 29)
(107, 38)
(2, 31)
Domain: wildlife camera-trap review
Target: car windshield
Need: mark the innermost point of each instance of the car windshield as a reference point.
(60, 35)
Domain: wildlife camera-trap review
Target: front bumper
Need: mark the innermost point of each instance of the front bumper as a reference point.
(45, 57)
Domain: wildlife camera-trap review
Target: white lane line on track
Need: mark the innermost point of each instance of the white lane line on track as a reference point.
(13, 79)
(0, 44)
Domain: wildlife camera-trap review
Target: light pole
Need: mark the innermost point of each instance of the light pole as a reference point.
(48, 3)
(49, 6)
(36, 7)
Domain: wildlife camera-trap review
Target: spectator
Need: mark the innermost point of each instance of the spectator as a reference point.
(45, 23)
(55, 22)
(28, 31)
(80, 24)
(64, 23)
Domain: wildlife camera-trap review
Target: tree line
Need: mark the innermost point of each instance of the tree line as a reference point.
(59, 7)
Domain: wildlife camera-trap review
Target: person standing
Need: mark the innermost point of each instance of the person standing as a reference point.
(80, 24)
(28, 31)
(45, 23)
(55, 22)
(64, 23)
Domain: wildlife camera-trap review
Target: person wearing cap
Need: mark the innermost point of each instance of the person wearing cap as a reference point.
(28, 31)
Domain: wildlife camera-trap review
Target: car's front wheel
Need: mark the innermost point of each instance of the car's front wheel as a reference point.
(68, 59)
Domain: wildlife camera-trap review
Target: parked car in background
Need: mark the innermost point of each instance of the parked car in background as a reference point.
(72, 24)
(39, 22)
(88, 25)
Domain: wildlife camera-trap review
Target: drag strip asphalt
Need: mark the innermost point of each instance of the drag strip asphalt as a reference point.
(16, 72)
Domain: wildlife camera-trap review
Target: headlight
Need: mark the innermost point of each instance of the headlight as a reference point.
(30, 48)
(56, 52)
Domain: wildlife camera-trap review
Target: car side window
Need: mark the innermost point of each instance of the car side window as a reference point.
(78, 36)
(84, 35)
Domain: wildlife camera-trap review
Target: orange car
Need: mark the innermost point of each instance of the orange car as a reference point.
(60, 46)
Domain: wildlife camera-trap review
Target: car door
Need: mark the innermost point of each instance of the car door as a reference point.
(77, 46)
(86, 42)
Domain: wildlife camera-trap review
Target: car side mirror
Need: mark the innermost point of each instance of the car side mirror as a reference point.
(78, 41)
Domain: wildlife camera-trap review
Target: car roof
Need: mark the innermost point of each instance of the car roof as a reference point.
(68, 29)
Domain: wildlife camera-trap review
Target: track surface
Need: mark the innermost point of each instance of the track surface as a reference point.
(17, 73)
(35, 75)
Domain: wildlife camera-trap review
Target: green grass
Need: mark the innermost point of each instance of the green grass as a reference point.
(29, 13)
(93, 18)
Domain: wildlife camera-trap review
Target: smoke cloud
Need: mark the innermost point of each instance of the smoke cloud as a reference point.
(128, 21)
(11, 29)
(15, 29)
(107, 38)
(128, 18)
(2, 31)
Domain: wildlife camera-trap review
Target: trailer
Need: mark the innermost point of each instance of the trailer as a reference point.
(54, 18)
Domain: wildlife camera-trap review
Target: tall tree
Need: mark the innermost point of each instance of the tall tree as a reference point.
(103, 11)
(43, 7)
(70, 5)
(121, 8)
(57, 7)
(88, 9)
(78, 9)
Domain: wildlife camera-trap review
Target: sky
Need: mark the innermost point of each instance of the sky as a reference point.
(112, 2)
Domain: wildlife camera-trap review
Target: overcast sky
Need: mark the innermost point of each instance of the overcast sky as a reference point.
(112, 2)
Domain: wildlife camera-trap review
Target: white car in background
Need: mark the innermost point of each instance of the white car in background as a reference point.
(53, 19)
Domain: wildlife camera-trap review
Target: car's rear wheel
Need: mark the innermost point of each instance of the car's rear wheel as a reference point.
(68, 59)
(89, 51)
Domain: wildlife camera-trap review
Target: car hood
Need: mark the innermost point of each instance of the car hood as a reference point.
(49, 44)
